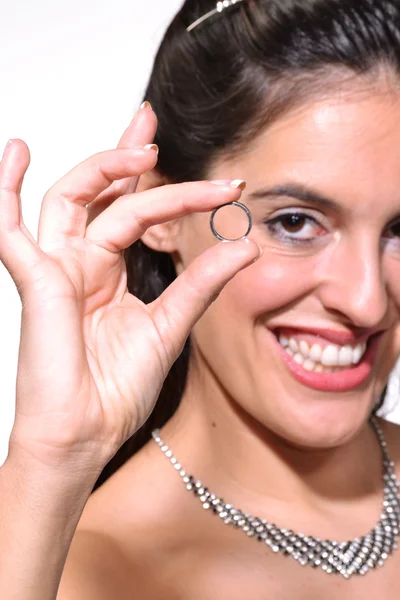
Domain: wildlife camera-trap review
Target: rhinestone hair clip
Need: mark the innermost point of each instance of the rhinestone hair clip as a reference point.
(218, 9)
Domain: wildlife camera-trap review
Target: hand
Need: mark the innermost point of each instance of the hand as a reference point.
(93, 357)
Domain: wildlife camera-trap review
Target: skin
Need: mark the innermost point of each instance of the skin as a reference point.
(305, 459)
(91, 356)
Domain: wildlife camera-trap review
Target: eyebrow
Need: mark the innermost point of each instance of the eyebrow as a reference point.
(295, 190)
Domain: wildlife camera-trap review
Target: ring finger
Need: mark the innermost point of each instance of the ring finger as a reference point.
(64, 214)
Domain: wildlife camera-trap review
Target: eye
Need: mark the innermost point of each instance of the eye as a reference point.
(293, 223)
(394, 230)
(297, 227)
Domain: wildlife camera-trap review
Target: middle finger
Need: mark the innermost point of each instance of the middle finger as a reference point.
(63, 213)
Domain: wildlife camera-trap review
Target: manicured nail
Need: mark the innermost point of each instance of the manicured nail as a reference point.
(145, 104)
(152, 147)
(238, 183)
(235, 183)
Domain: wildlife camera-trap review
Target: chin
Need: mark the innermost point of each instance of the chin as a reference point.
(321, 424)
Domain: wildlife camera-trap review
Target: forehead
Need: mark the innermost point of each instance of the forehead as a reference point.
(346, 145)
(366, 123)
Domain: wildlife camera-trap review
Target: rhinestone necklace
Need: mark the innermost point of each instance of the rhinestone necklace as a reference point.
(355, 557)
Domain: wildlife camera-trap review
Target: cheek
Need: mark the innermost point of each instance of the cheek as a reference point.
(392, 278)
(270, 284)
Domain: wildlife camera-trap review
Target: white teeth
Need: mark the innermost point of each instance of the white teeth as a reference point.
(358, 351)
(330, 356)
(309, 365)
(316, 353)
(299, 358)
(284, 341)
(315, 356)
(346, 356)
(304, 348)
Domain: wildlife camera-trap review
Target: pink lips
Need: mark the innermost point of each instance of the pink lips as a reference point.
(342, 381)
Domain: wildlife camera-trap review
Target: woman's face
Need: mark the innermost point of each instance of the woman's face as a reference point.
(323, 186)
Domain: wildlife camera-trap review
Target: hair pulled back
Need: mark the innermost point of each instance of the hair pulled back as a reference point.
(215, 88)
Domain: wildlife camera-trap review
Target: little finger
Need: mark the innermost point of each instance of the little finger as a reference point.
(19, 251)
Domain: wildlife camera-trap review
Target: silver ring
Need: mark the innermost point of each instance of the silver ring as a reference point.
(239, 205)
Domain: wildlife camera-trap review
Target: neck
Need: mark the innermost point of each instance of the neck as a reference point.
(247, 463)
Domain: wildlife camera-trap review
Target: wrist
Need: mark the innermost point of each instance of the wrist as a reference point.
(63, 480)
(41, 508)
(70, 463)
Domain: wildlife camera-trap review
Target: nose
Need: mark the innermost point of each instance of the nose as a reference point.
(353, 282)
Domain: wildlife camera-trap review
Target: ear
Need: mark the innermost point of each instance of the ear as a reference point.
(158, 237)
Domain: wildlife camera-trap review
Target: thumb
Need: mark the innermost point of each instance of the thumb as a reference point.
(182, 304)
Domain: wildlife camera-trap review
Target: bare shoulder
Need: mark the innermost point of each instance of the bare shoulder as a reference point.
(96, 568)
(128, 534)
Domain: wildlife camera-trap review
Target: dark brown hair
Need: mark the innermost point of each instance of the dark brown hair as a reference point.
(213, 89)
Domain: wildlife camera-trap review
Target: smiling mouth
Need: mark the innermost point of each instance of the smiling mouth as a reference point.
(321, 356)
(328, 360)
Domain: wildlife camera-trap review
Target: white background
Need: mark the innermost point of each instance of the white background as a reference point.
(72, 74)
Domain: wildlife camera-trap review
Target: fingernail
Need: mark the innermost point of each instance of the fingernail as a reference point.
(152, 147)
(261, 251)
(146, 104)
(238, 183)
(235, 183)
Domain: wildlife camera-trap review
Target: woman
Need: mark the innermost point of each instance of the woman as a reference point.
(272, 403)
